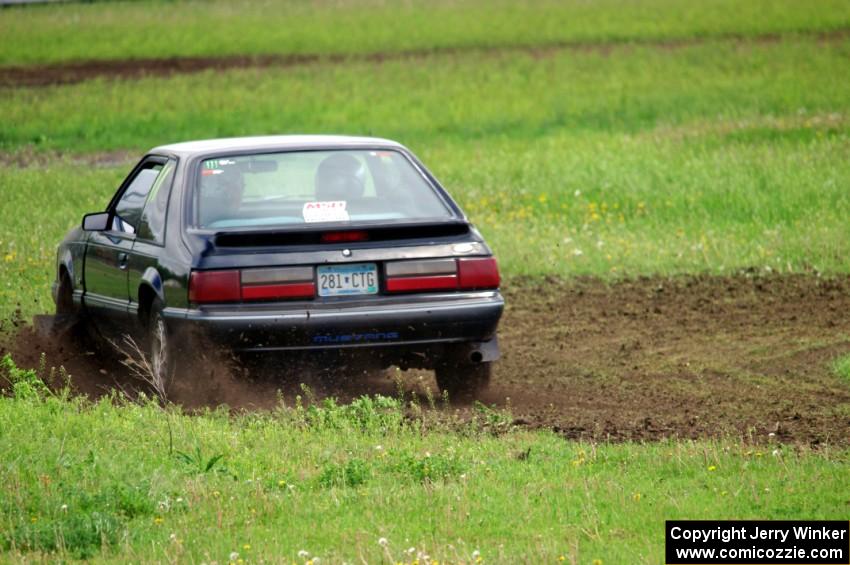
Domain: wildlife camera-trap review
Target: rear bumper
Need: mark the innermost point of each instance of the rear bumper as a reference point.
(408, 323)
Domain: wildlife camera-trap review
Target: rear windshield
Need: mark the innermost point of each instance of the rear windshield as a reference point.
(302, 187)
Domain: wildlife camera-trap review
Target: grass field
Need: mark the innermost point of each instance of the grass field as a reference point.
(606, 146)
(162, 29)
(338, 481)
(763, 89)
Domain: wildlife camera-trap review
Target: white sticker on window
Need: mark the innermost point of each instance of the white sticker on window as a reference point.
(330, 211)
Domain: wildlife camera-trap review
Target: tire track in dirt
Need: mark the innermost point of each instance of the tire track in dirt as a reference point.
(128, 69)
(682, 357)
(644, 359)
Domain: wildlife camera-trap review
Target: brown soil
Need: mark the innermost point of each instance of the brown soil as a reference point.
(78, 71)
(684, 357)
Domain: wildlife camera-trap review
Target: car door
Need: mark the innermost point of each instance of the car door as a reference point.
(145, 267)
(108, 251)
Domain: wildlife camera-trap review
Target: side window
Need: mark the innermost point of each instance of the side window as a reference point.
(152, 226)
(128, 210)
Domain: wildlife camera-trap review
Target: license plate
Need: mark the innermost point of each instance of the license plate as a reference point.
(345, 280)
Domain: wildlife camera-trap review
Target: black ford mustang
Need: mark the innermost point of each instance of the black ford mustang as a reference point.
(289, 243)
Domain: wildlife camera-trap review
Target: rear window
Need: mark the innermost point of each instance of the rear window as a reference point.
(304, 187)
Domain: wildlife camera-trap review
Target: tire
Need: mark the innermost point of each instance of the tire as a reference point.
(463, 381)
(160, 350)
(68, 318)
(65, 296)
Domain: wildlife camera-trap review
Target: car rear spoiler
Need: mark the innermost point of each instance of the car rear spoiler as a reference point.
(340, 233)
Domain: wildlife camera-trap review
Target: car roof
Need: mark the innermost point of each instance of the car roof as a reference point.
(271, 142)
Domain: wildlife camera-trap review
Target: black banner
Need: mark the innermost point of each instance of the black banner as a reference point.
(757, 542)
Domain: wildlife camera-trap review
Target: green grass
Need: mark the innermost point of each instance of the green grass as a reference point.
(39, 206)
(630, 206)
(150, 29)
(335, 480)
(465, 98)
(841, 367)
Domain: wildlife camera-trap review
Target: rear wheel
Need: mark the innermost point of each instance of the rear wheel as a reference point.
(463, 381)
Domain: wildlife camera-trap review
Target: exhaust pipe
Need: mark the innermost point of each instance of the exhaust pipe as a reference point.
(476, 357)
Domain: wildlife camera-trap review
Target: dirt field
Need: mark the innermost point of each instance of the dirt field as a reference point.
(686, 357)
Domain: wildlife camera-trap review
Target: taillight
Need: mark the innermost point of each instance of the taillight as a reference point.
(474, 273)
(214, 286)
(344, 236)
(478, 273)
(207, 287)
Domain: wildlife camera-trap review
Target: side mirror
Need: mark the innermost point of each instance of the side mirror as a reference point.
(96, 222)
